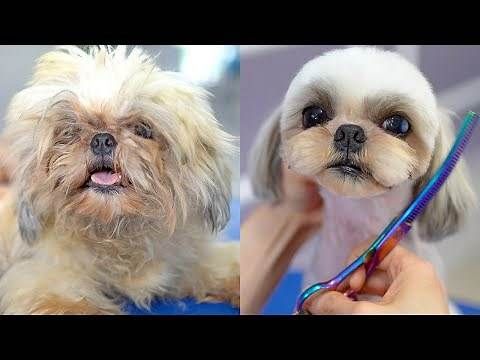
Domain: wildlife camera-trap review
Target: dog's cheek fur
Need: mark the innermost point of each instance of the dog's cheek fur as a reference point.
(391, 160)
(62, 174)
(65, 171)
(154, 180)
(309, 151)
(203, 167)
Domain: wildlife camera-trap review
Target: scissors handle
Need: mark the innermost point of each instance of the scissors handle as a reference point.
(370, 259)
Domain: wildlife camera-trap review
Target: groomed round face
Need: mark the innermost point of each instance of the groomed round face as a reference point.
(106, 137)
(360, 121)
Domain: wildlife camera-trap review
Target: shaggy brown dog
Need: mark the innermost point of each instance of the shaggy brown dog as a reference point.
(122, 181)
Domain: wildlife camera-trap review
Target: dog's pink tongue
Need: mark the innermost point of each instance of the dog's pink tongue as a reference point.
(105, 178)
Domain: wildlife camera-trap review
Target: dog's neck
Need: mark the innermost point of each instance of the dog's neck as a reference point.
(349, 222)
(123, 249)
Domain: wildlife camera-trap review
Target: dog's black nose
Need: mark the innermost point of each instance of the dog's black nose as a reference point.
(349, 137)
(103, 144)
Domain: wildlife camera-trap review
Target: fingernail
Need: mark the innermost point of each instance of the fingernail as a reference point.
(351, 294)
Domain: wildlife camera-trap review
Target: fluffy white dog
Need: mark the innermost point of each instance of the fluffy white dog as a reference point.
(365, 124)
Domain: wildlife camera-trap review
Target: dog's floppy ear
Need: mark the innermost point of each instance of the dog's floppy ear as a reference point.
(265, 164)
(447, 210)
(210, 170)
(28, 224)
(218, 208)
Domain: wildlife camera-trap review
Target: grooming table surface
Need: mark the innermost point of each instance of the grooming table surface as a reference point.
(183, 307)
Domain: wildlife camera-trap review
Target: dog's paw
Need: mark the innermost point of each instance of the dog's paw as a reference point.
(232, 291)
(222, 275)
(55, 305)
(229, 293)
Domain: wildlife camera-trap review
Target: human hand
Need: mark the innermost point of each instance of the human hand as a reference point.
(299, 192)
(271, 236)
(405, 283)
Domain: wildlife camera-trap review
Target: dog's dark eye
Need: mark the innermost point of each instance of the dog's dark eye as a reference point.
(396, 124)
(143, 130)
(313, 115)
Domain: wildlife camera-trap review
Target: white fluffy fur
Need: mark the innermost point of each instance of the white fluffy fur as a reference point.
(358, 212)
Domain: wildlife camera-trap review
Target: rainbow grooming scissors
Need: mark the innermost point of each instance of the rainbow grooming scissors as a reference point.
(399, 226)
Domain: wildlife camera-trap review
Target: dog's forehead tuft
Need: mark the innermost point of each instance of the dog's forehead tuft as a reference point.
(102, 73)
(359, 72)
(111, 79)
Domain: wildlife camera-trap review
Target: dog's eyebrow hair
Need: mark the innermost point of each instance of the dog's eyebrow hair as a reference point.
(380, 106)
(52, 103)
(314, 94)
(325, 95)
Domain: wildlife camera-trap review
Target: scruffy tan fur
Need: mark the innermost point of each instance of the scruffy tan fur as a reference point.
(67, 249)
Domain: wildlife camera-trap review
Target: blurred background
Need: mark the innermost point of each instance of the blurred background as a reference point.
(455, 75)
(216, 68)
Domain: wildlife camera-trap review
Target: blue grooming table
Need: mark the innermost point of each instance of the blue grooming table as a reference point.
(467, 308)
(190, 306)
(183, 307)
(282, 301)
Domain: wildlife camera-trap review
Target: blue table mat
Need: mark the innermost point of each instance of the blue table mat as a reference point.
(183, 307)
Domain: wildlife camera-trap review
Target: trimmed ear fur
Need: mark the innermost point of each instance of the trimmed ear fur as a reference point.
(447, 210)
(265, 163)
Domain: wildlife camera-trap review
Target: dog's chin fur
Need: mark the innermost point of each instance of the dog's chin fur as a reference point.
(362, 86)
(354, 186)
(148, 234)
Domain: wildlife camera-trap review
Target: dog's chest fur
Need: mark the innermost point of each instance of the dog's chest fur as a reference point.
(148, 261)
(137, 266)
(349, 222)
